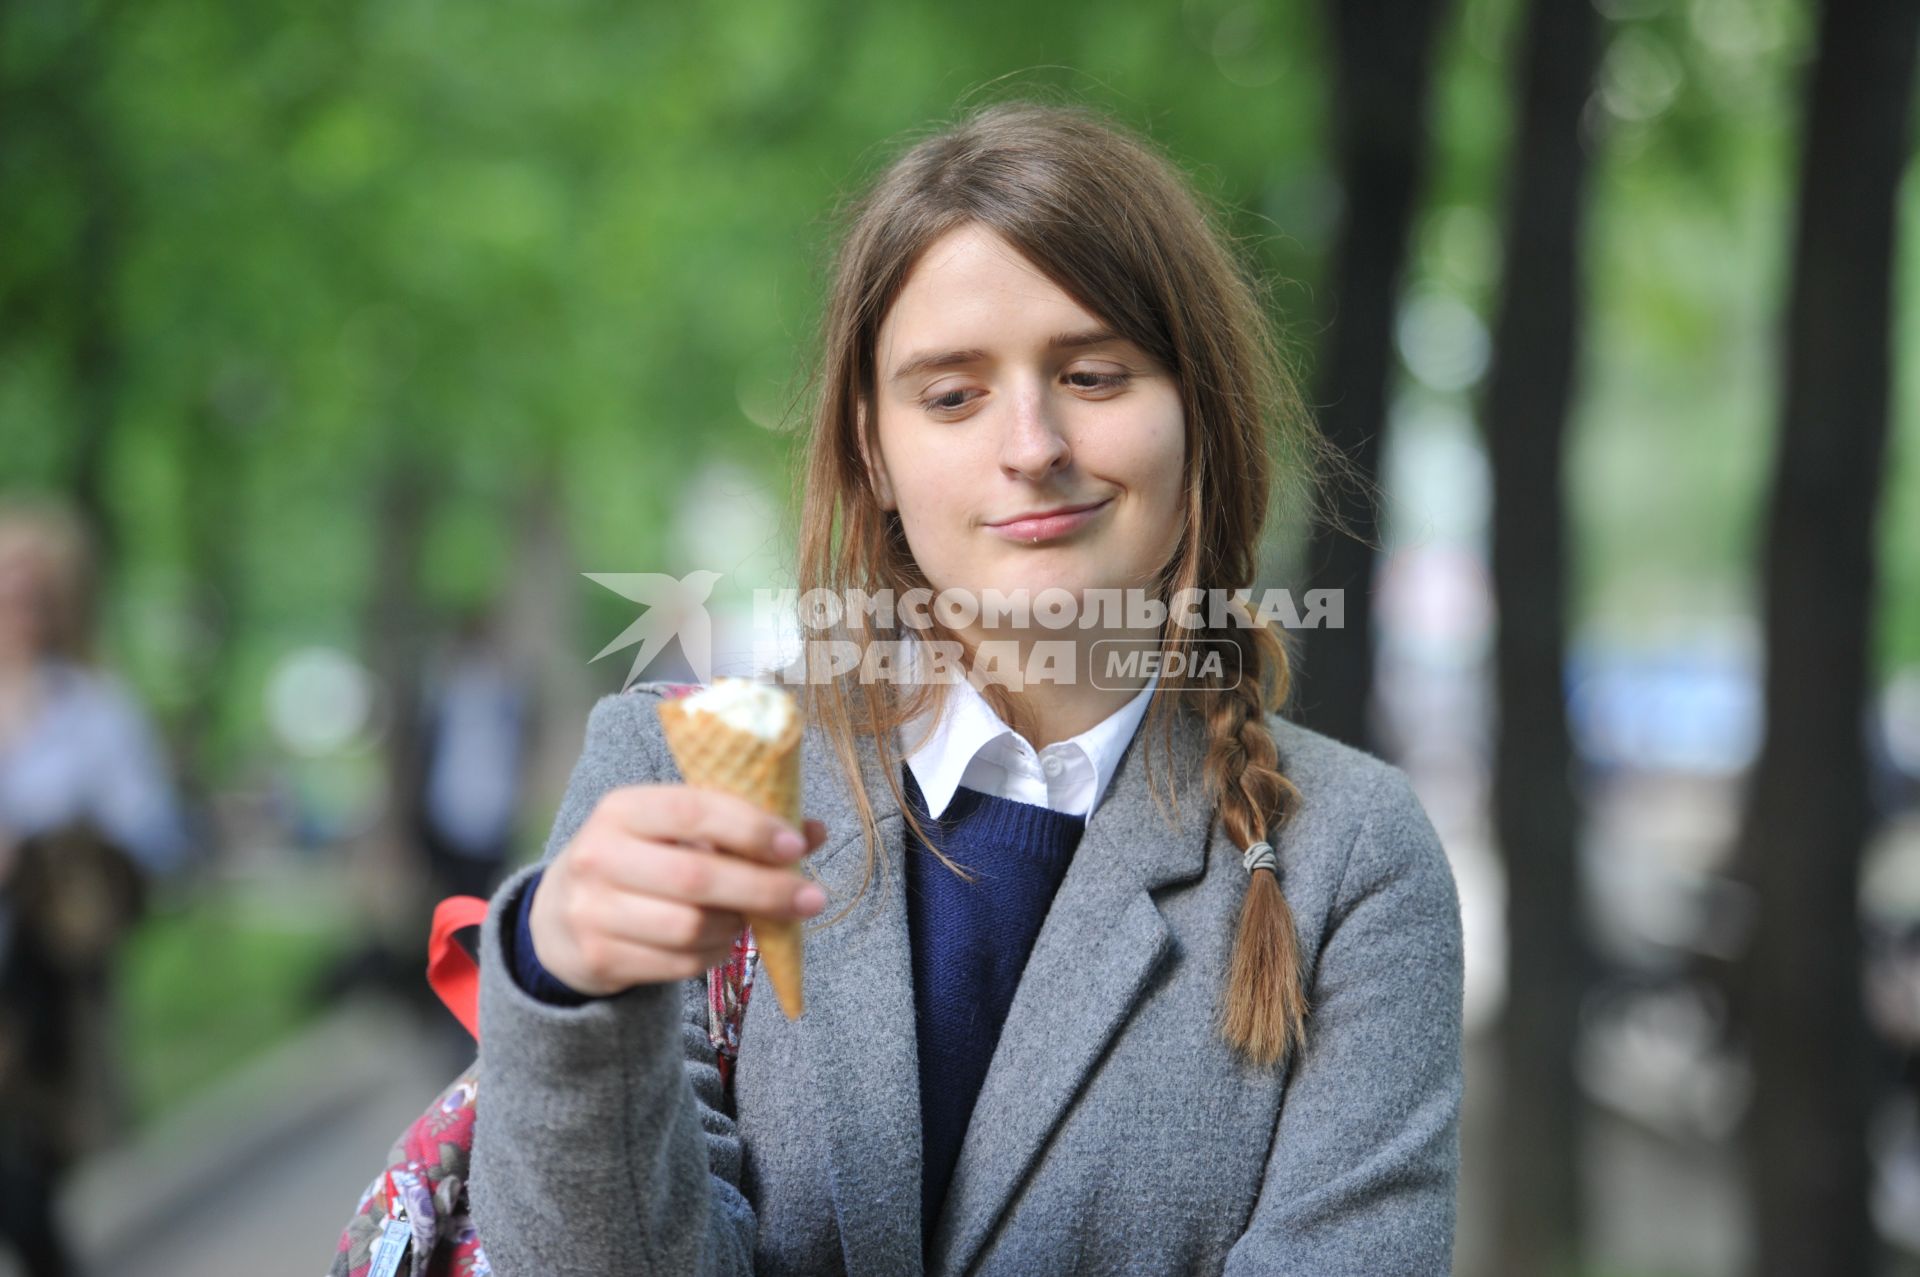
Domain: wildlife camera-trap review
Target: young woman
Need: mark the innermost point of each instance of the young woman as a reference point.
(1127, 974)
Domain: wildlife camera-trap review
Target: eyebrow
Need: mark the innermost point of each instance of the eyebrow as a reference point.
(928, 360)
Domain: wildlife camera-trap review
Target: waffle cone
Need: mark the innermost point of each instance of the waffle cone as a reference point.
(712, 754)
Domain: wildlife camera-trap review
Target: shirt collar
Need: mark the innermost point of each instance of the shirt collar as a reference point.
(969, 724)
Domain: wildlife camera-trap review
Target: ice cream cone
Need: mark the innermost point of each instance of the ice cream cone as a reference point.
(714, 754)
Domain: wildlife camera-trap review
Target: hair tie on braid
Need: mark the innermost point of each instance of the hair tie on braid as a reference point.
(1260, 856)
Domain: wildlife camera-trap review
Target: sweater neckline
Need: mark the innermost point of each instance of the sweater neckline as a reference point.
(978, 823)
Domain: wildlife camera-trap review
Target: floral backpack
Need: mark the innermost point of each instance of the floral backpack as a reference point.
(414, 1218)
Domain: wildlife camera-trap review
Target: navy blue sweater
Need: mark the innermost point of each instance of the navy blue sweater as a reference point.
(970, 944)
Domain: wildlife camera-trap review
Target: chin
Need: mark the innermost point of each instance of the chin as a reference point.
(1063, 571)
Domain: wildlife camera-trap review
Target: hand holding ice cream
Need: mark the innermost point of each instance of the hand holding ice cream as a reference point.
(660, 879)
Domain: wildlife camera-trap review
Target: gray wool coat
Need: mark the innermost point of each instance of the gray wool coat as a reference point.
(1115, 1132)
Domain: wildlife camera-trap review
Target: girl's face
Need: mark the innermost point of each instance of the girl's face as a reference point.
(1000, 398)
(22, 599)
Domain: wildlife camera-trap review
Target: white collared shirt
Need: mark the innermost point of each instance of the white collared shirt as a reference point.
(972, 746)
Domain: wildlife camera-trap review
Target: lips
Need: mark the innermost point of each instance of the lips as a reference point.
(1043, 514)
(1048, 525)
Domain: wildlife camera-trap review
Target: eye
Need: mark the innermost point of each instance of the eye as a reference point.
(941, 402)
(948, 401)
(1100, 380)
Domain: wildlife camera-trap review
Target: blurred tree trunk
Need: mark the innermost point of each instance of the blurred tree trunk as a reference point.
(56, 90)
(539, 623)
(1807, 815)
(1536, 819)
(1382, 59)
(396, 638)
(96, 356)
(212, 459)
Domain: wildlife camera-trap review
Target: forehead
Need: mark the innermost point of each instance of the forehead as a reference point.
(972, 287)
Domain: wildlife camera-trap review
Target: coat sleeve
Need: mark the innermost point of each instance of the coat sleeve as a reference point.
(602, 1141)
(1365, 1162)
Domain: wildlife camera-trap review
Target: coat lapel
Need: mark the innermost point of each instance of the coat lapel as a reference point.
(1098, 948)
(858, 1027)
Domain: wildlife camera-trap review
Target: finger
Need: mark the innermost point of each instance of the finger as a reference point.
(664, 924)
(690, 876)
(622, 964)
(816, 834)
(681, 813)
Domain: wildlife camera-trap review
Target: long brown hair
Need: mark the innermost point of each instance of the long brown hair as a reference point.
(1117, 225)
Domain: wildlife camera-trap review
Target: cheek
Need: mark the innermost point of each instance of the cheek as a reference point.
(1157, 468)
(927, 493)
(1154, 456)
(926, 496)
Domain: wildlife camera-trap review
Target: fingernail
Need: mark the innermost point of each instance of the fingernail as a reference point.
(810, 899)
(788, 843)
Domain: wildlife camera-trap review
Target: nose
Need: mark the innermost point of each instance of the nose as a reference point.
(1033, 446)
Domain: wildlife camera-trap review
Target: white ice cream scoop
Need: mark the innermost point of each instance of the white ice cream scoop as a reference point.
(745, 705)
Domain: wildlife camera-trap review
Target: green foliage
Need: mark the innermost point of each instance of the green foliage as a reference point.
(581, 244)
(206, 986)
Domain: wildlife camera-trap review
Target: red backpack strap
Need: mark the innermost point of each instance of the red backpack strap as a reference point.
(456, 978)
(451, 969)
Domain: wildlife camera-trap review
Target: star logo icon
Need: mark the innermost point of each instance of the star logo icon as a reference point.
(673, 607)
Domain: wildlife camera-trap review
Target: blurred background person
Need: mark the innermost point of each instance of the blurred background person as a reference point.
(88, 815)
(476, 722)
